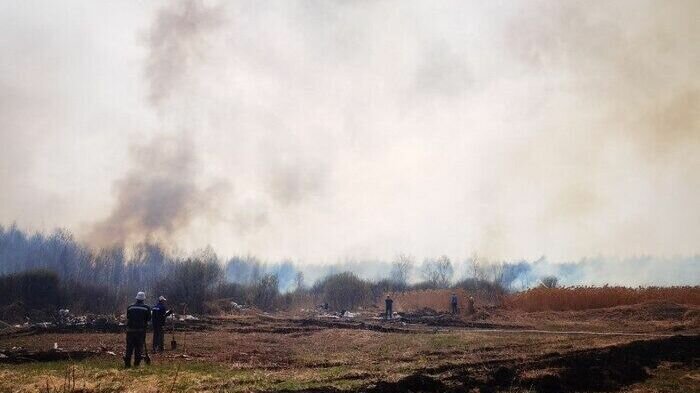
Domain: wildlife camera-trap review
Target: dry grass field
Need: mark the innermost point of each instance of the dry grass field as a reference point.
(585, 298)
(505, 350)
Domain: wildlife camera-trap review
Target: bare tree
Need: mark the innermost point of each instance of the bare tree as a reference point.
(476, 267)
(496, 273)
(401, 269)
(438, 272)
(299, 280)
(265, 292)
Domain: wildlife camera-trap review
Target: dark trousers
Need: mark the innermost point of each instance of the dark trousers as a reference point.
(134, 346)
(389, 312)
(158, 339)
(455, 310)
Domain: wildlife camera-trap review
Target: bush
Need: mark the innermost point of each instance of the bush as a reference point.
(265, 292)
(343, 291)
(192, 281)
(37, 289)
(549, 282)
(381, 287)
(40, 294)
(96, 299)
(233, 291)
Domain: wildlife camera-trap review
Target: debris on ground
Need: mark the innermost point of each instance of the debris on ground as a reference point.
(239, 307)
(21, 355)
(82, 323)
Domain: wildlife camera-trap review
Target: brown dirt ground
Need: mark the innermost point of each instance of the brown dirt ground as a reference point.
(496, 350)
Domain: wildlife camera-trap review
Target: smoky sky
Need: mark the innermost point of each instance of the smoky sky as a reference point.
(324, 131)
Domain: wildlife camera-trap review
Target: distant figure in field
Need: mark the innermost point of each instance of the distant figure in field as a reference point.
(470, 305)
(454, 303)
(389, 307)
(137, 317)
(160, 313)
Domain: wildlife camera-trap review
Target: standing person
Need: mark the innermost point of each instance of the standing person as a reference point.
(454, 303)
(389, 305)
(137, 317)
(160, 313)
(470, 305)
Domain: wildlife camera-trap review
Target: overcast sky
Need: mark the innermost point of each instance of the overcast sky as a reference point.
(324, 131)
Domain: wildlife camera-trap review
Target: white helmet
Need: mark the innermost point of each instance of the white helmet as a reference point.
(162, 299)
(141, 296)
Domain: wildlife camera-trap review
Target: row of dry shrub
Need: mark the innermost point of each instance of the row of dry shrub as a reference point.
(585, 298)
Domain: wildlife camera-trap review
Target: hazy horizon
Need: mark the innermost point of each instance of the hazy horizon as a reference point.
(327, 131)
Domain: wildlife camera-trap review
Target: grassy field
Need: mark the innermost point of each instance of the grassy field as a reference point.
(272, 353)
(220, 361)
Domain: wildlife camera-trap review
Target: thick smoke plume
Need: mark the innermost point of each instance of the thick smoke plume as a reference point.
(157, 197)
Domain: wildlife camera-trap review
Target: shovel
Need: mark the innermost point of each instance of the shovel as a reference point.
(173, 343)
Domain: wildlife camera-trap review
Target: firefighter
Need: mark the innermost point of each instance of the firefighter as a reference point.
(137, 317)
(160, 313)
(389, 305)
(454, 303)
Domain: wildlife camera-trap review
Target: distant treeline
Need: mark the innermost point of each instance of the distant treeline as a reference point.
(48, 272)
(60, 272)
(118, 273)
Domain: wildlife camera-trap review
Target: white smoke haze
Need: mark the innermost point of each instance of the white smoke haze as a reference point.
(327, 131)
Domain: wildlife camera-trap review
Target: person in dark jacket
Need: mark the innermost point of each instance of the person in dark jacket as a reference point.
(160, 313)
(137, 317)
(389, 307)
(454, 303)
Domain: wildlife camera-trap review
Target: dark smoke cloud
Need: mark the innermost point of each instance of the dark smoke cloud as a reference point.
(157, 197)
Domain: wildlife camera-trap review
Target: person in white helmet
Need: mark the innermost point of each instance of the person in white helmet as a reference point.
(137, 317)
(160, 313)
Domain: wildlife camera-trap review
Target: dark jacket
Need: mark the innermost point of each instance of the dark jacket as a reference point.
(137, 317)
(160, 312)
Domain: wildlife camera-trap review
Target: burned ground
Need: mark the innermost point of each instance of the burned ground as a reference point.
(426, 351)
